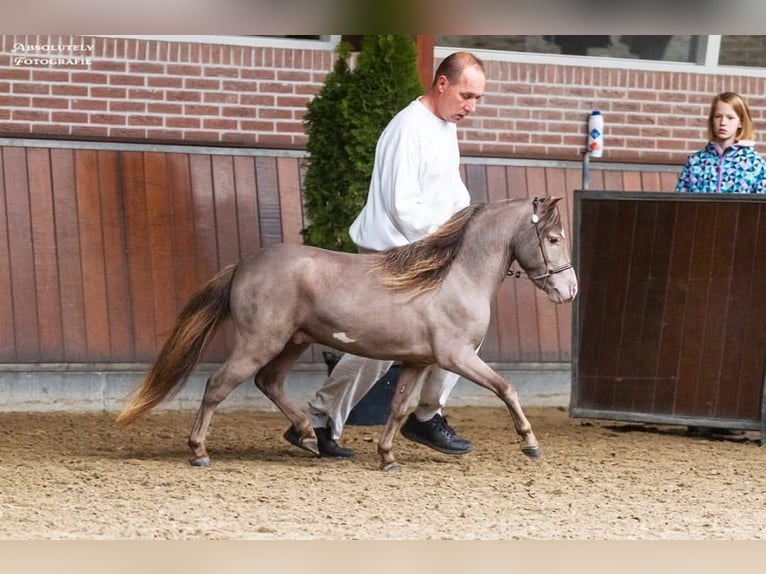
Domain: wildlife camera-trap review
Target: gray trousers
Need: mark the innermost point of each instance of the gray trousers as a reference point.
(354, 376)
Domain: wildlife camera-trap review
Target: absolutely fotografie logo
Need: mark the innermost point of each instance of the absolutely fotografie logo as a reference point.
(51, 54)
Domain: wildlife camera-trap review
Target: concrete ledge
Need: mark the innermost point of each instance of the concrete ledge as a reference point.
(68, 389)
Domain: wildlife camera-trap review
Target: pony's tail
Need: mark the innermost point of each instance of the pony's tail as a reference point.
(183, 348)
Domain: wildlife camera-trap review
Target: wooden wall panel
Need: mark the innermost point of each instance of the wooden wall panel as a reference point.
(112, 242)
(664, 323)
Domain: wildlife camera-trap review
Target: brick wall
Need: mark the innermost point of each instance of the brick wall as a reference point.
(176, 92)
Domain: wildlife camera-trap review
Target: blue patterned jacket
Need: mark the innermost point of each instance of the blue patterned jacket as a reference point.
(739, 169)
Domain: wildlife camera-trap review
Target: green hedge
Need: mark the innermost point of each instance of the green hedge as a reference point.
(343, 123)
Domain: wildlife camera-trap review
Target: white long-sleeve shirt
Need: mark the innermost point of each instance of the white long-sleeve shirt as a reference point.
(416, 184)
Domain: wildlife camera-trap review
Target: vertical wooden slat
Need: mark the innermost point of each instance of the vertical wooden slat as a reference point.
(547, 323)
(270, 217)
(206, 234)
(92, 252)
(121, 329)
(557, 187)
(7, 331)
(613, 181)
(736, 305)
(476, 182)
(45, 252)
(182, 226)
(631, 181)
(158, 218)
(137, 239)
(753, 363)
(674, 311)
(21, 253)
(650, 181)
(668, 181)
(291, 206)
(631, 362)
(718, 285)
(505, 322)
(68, 249)
(247, 206)
(225, 197)
(692, 349)
(660, 221)
(526, 299)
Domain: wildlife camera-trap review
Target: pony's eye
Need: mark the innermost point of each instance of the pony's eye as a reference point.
(553, 240)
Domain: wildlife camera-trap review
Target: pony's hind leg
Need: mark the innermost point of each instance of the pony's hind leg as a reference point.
(271, 379)
(408, 378)
(234, 371)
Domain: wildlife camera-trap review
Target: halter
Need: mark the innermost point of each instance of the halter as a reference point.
(549, 271)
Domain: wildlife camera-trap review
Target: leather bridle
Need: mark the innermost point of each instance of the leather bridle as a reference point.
(549, 271)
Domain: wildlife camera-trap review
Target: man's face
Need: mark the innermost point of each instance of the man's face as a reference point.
(456, 100)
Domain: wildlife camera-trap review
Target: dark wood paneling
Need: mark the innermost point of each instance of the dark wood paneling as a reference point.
(664, 320)
(110, 244)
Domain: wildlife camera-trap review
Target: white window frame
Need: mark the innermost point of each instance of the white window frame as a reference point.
(710, 65)
(329, 42)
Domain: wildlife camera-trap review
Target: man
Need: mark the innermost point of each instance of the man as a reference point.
(415, 188)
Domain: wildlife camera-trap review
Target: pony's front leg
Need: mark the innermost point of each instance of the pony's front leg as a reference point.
(408, 378)
(474, 369)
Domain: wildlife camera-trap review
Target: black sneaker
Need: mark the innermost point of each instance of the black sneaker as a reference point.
(436, 434)
(325, 443)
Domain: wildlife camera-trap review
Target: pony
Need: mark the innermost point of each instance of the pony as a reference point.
(423, 303)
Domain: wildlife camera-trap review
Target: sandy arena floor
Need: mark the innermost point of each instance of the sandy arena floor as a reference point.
(78, 476)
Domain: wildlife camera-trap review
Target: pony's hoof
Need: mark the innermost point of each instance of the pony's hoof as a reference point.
(200, 461)
(391, 467)
(532, 451)
(311, 445)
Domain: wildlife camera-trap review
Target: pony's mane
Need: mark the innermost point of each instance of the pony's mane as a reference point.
(422, 265)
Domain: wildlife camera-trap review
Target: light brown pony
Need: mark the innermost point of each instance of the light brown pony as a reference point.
(423, 303)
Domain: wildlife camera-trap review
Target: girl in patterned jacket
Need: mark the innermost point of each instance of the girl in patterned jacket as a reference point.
(729, 162)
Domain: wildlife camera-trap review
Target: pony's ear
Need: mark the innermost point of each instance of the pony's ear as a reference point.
(551, 201)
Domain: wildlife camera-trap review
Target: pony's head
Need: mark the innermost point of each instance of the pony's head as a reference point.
(542, 250)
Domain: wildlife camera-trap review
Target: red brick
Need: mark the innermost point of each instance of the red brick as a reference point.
(30, 116)
(145, 68)
(31, 88)
(105, 92)
(183, 122)
(113, 119)
(164, 82)
(126, 80)
(69, 90)
(69, 117)
(144, 120)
